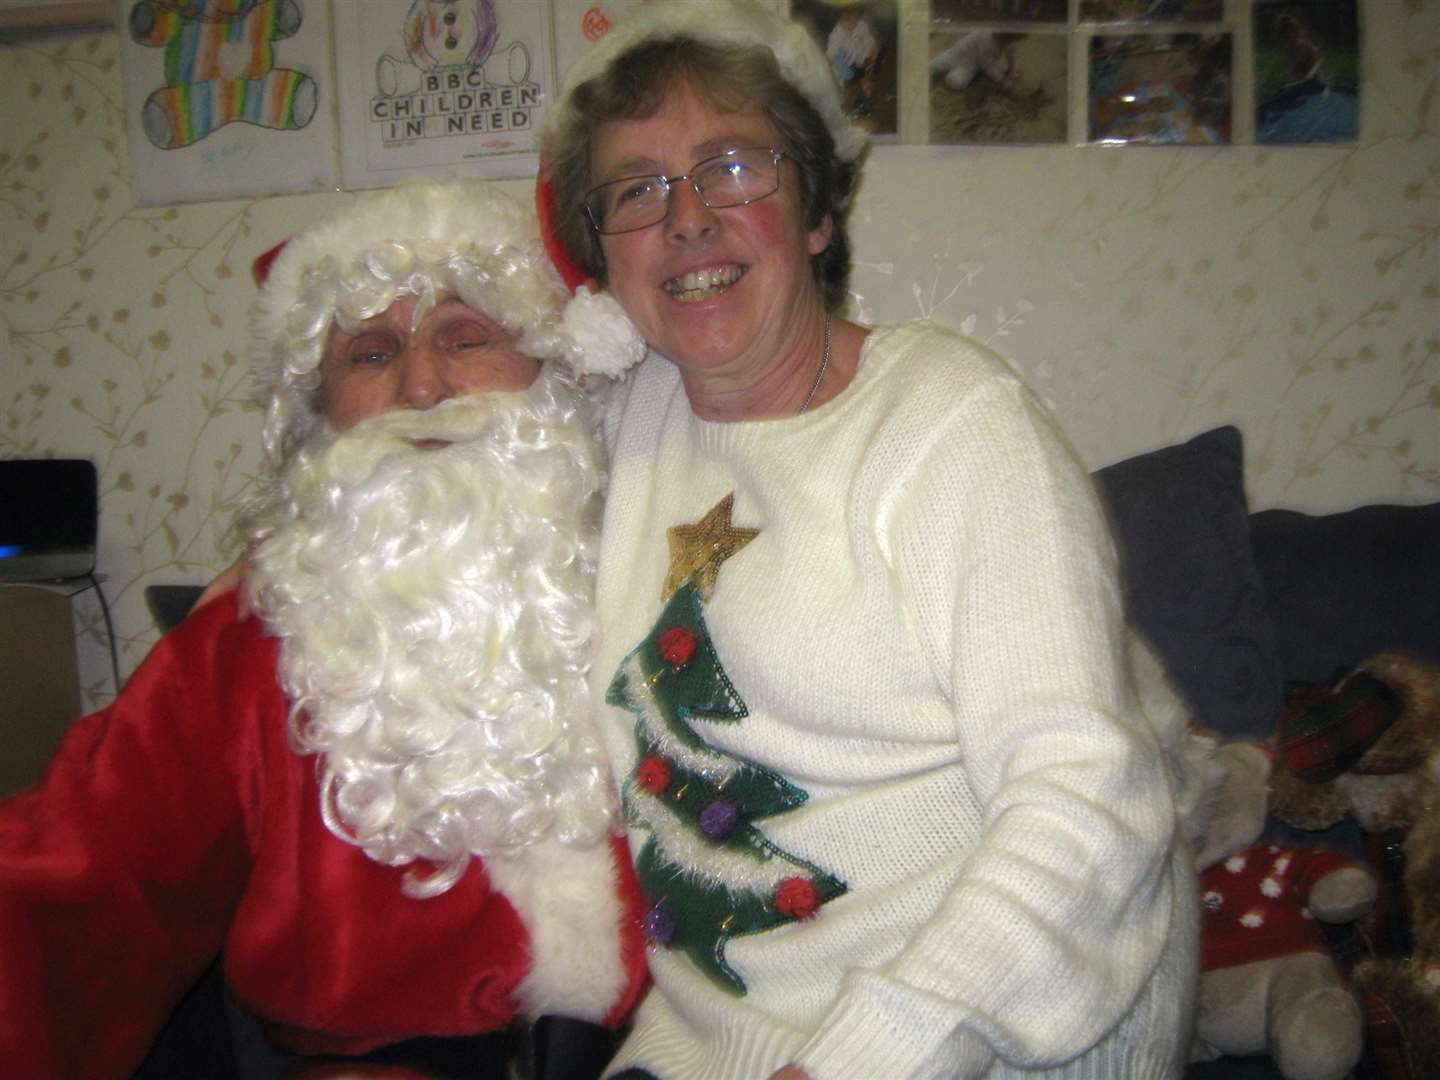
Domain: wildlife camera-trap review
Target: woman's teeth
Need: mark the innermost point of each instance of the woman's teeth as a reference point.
(698, 284)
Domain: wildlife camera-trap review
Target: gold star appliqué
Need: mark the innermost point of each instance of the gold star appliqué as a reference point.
(696, 551)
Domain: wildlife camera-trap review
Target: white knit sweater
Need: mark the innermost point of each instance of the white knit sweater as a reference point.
(927, 634)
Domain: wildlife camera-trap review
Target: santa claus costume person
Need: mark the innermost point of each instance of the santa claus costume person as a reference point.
(373, 787)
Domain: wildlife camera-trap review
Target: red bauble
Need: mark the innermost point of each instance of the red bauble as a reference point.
(677, 645)
(797, 898)
(653, 774)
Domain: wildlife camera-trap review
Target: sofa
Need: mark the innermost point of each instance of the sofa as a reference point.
(1237, 605)
(1242, 605)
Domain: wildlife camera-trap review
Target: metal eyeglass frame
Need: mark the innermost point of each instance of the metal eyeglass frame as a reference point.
(669, 182)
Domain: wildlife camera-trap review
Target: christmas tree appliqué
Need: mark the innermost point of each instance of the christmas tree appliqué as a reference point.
(708, 870)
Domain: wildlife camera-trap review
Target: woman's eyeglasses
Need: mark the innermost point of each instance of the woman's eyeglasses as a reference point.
(734, 178)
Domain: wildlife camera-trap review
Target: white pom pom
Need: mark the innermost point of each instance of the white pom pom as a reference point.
(606, 341)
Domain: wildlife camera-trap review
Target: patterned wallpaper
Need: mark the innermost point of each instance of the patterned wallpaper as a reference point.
(1146, 293)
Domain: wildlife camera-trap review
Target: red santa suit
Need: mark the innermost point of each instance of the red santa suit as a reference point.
(179, 822)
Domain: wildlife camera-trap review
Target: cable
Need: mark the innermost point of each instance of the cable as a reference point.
(109, 630)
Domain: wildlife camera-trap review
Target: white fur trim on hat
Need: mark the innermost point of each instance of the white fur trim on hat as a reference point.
(733, 23)
(422, 238)
(607, 342)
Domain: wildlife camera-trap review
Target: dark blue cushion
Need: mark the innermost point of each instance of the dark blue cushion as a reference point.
(1191, 584)
(1343, 587)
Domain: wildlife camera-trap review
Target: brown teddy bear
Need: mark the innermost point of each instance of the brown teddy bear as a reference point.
(1369, 745)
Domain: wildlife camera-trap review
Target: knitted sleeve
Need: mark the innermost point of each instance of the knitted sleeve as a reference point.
(1063, 908)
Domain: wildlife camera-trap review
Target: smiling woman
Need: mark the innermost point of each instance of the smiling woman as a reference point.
(762, 277)
(893, 802)
(725, 292)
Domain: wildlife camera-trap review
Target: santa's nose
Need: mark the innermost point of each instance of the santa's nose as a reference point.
(423, 381)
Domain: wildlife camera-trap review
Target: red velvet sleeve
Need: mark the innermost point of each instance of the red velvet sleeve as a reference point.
(119, 871)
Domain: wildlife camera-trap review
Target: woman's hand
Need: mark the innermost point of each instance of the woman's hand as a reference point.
(790, 1072)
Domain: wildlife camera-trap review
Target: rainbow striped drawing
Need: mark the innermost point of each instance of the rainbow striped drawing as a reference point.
(220, 68)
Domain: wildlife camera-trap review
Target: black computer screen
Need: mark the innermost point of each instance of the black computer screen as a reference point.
(47, 504)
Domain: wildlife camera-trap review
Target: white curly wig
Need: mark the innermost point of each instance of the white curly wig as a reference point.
(427, 239)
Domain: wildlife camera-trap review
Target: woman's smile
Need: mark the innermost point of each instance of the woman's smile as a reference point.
(697, 285)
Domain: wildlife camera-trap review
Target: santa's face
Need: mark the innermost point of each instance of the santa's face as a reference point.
(391, 362)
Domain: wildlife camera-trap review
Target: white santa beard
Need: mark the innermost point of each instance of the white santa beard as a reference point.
(436, 615)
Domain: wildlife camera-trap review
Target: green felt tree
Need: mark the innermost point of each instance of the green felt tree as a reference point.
(718, 876)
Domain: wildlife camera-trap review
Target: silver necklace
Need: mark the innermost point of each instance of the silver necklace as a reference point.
(819, 375)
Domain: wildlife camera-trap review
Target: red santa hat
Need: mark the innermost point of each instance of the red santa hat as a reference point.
(425, 238)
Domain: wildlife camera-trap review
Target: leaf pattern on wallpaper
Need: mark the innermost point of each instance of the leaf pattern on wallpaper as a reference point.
(1291, 290)
(123, 327)
(1145, 293)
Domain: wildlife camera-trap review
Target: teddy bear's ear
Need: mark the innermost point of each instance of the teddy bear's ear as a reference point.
(1415, 734)
(1305, 805)
(1325, 731)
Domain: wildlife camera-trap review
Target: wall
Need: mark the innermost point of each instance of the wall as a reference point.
(1146, 293)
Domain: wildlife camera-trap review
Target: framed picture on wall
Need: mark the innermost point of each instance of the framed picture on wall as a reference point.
(996, 87)
(860, 39)
(1160, 88)
(227, 101)
(432, 87)
(1307, 72)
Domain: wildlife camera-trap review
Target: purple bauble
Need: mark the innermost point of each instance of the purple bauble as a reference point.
(659, 927)
(718, 819)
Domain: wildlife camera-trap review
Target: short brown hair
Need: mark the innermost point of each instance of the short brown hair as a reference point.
(637, 84)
